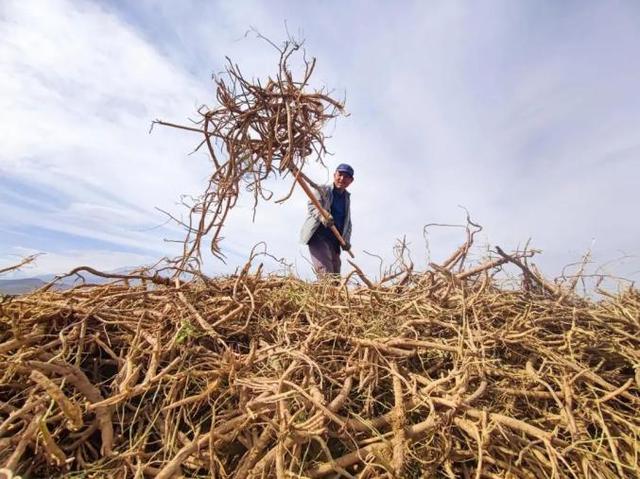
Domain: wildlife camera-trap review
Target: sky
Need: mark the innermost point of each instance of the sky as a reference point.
(525, 114)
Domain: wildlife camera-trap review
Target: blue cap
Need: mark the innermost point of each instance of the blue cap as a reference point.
(344, 168)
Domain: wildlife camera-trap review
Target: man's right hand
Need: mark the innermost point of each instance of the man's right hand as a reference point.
(327, 222)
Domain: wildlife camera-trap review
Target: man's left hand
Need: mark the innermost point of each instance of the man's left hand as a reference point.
(347, 246)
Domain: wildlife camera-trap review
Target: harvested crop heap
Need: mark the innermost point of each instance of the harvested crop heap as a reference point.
(442, 374)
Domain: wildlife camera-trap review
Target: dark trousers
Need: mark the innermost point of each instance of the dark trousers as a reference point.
(325, 256)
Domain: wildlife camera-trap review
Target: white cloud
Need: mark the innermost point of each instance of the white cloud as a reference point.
(84, 88)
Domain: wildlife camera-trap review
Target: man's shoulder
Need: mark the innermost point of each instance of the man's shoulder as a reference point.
(325, 189)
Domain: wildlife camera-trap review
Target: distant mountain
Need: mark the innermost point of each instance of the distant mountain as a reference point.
(27, 285)
(20, 286)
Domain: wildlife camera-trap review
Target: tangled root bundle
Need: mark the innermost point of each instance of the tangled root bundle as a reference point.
(258, 131)
(435, 374)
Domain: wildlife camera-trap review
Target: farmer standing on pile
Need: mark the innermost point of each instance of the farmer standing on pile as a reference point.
(316, 231)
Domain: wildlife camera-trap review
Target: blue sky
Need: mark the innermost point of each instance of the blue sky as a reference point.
(526, 113)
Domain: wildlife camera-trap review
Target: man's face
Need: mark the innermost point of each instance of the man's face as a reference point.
(342, 180)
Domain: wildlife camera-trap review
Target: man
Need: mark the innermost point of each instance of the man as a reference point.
(316, 231)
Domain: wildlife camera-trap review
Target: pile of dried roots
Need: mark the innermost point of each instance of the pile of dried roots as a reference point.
(435, 374)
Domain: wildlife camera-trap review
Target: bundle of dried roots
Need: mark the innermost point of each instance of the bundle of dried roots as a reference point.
(258, 131)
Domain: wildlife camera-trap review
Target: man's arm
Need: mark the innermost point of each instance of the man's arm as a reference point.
(321, 195)
(346, 235)
(346, 232)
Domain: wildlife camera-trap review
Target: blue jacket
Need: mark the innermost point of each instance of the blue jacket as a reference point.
(312, 223)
